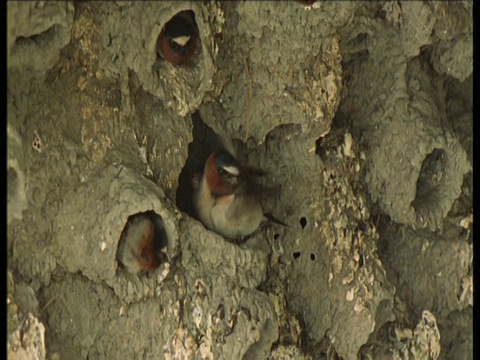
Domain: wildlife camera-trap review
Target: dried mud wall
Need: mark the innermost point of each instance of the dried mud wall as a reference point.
(361, 114)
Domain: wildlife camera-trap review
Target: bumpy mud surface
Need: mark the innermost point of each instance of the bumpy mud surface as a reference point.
(360, 112)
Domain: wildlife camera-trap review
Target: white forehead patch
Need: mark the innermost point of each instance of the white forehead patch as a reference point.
(182, 40)
(233, 170)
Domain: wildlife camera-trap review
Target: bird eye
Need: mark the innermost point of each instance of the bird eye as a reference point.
(226, 173)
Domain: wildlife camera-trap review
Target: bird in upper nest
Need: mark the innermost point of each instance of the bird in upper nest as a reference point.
(178, 39)
(143, 243)
(226, 197)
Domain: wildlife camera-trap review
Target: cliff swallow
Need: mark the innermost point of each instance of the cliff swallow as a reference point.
(178, 39)
(227, 199)
(143, 243)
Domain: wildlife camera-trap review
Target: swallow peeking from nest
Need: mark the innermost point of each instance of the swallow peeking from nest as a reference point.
(143, 243)
(226, 197)
(178, 39)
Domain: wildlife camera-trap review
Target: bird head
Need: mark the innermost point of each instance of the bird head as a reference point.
(178, 38)
(222, 173)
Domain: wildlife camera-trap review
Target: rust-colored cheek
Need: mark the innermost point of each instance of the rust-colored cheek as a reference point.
(216, 184)
(149, 258)
(165, 50)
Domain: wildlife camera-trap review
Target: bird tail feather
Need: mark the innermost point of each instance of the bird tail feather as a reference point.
(273, 219)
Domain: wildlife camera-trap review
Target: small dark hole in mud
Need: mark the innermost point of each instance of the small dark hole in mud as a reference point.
(296, 254)
(431, 177)
(312, 256)
(221, 311)
(362, 226)
(303, 222)
(320, 148)
(276, 236)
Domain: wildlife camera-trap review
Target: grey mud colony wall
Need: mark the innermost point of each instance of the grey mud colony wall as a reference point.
(361, 115)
